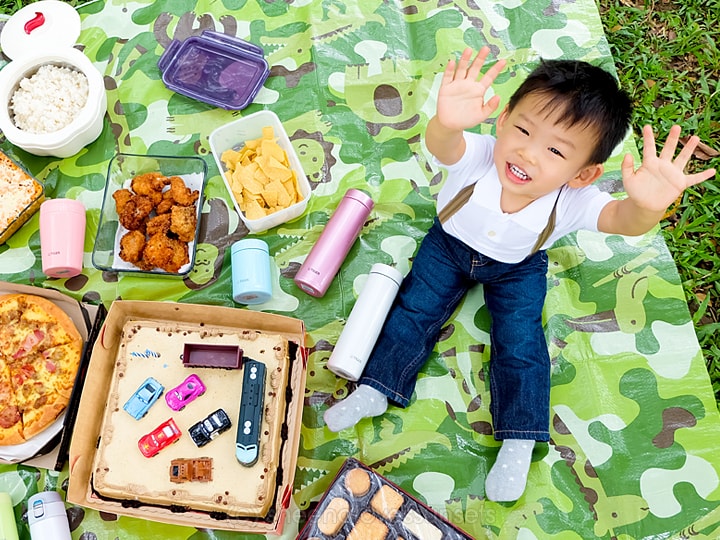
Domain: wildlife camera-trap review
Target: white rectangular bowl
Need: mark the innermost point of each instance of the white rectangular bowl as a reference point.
(234, 135)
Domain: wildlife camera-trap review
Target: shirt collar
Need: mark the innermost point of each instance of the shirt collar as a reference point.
(533, 217)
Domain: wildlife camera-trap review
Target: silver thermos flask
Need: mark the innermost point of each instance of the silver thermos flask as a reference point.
(366, 319)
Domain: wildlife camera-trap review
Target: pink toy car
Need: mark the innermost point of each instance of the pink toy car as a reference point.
(191, 388)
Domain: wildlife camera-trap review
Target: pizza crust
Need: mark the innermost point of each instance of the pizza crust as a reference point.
(10, 429)
(37, 419)
(40, 350)
(12, 436)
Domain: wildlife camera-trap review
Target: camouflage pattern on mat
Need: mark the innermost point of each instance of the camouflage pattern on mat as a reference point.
(634, 428)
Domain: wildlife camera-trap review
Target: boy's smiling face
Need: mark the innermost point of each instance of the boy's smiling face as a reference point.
(536, 154)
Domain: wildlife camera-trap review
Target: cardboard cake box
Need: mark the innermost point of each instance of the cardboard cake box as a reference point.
(100, 401)
(48, 449)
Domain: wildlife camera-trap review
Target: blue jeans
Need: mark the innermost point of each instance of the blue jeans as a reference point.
(443, 271)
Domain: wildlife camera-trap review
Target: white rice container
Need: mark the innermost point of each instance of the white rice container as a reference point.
(39, 34)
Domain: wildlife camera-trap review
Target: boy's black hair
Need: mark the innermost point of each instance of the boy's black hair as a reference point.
(582, 94)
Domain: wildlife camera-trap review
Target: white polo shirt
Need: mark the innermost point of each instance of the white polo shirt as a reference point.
(509, 238)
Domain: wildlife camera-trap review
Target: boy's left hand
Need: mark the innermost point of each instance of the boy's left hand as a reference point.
(660, 179)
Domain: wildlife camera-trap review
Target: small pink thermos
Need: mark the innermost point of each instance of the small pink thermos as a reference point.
(62, 237)
(336, 239)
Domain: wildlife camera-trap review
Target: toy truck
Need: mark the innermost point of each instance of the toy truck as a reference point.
(191, 470)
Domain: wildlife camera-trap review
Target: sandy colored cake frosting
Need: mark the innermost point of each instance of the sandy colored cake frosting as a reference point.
(152, 348)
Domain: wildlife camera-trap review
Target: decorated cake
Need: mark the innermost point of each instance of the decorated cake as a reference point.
(155, 349)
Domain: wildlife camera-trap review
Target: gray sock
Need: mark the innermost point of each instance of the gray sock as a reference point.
(364, 402)
(508, 476)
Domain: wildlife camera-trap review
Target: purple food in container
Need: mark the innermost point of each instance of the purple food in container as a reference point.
(215, 68)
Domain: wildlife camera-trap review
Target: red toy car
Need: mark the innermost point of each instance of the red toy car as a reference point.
(160, 437)
(192, 387)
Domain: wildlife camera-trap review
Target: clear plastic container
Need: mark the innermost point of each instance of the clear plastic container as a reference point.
(215, 68)
(123, 167)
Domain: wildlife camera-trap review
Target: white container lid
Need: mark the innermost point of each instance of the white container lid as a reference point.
(39, 28)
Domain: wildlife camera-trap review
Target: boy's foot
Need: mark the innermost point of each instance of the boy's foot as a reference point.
(508, 476)
(365, 401)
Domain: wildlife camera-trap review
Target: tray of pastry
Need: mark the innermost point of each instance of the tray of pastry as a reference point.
(361, 504)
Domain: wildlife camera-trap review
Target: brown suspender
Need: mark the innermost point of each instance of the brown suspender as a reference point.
(463, 196)
(456, 203)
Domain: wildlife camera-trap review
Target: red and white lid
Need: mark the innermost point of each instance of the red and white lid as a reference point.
(40, 27)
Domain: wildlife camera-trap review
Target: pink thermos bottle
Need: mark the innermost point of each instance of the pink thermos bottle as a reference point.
(336, 239)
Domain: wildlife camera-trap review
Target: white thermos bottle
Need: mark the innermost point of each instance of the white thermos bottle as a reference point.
(366, 319)
(47, 517)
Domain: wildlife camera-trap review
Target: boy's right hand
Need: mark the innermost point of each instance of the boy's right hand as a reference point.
(461, 99)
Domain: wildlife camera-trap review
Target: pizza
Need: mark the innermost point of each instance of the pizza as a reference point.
(40, 350)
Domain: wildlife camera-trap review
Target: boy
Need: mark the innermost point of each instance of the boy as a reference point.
(505, 200)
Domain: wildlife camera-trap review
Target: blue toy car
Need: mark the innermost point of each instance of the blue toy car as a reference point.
(143, 398)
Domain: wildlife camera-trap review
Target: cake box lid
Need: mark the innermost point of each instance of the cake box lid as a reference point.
(215, 68)
(40, 27)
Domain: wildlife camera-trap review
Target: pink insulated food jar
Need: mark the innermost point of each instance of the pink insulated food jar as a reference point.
(62, 237)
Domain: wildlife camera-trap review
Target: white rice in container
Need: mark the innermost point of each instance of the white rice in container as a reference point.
(49, 100)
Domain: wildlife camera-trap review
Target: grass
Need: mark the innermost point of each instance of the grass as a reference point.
(7, 6)
(667, 57)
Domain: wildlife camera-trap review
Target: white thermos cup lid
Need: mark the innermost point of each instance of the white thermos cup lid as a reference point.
(387, 271)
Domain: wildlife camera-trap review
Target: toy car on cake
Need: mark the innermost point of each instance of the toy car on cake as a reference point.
(187, 391)
(206, 430)
(191, 470)
(160, 437)
(143, 398)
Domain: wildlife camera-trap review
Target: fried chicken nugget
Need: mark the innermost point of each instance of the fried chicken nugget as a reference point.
(166, 253)
(150, 185)
(131, 246)
(135, 212)
(166, 204)
(182, 194)
(183, 222)
(121, 196)
(158, 224)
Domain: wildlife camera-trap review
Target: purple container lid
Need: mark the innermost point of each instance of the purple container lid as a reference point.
(215, 68)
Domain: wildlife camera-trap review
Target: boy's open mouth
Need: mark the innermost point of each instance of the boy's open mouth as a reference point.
(516, 175)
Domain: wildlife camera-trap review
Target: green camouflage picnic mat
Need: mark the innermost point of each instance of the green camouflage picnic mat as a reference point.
(635, 429)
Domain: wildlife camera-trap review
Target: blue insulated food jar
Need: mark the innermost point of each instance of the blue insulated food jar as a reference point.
(251, 271)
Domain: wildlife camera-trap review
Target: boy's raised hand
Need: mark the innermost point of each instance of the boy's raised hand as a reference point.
(461, 98)
(661, 178)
